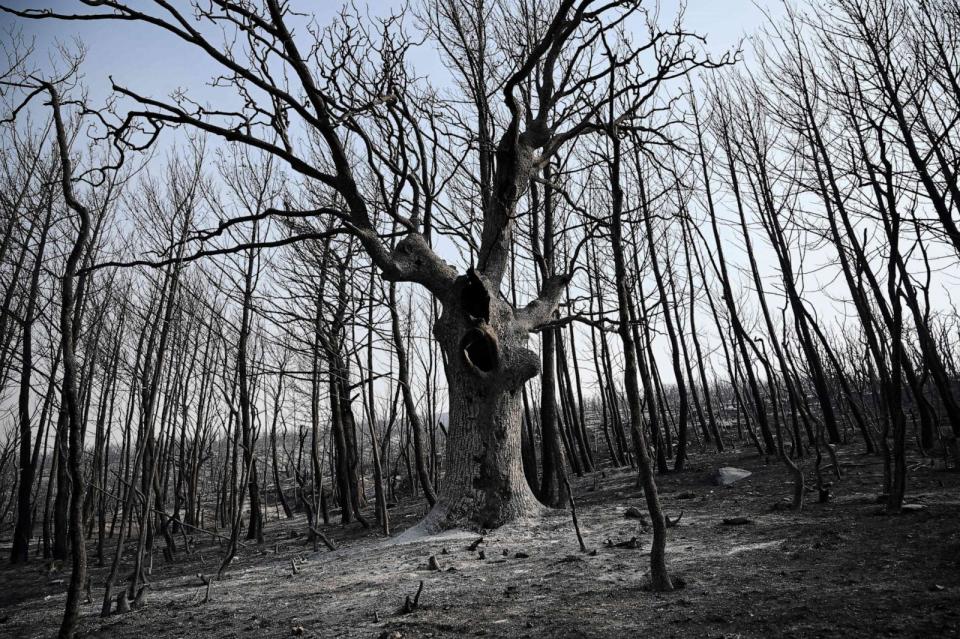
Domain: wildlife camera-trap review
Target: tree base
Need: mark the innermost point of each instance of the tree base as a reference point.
(443, 517)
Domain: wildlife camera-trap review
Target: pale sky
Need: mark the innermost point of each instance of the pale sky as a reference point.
(151, 62)
(142, 57)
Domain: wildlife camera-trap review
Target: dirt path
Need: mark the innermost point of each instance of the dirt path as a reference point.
(836, 569)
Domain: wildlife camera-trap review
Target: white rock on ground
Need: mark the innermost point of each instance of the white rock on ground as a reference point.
(728, 475)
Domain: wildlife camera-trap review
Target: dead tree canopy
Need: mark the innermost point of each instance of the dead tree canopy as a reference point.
(376, 131)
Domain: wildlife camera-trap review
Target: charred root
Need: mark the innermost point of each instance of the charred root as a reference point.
(123, 604)
(141, 599)
(412, 603)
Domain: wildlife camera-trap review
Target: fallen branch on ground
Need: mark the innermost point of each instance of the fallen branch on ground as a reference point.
(319, 535)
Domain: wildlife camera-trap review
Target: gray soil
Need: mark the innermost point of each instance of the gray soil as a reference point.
(835, 569)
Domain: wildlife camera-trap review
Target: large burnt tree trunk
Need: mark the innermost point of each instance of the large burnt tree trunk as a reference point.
(488, 363)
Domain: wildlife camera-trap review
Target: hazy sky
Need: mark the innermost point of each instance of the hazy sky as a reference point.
(153, 63)
(142, 57)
